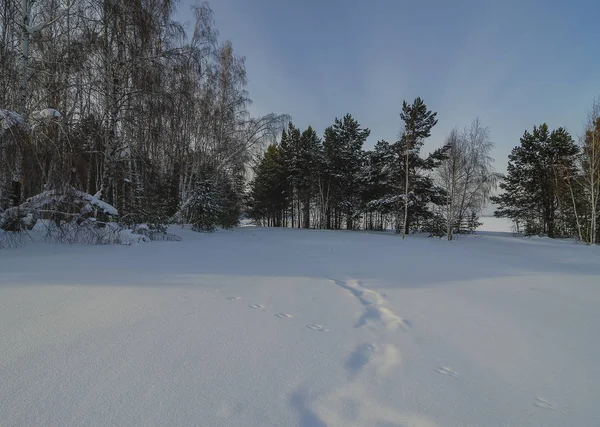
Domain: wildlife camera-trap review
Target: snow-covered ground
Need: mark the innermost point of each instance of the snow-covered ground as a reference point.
(267, 327)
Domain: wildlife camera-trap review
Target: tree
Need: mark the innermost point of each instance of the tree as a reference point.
(309, 153)
(150, 118)
(342, 146)
(589, 177)
(378, 194)
(418, 122)
(451, 175)
(269, 191)
(467, 176)
(532, 191)
(292, 157)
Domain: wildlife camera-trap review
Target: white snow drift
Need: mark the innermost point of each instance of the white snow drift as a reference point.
(264, 327)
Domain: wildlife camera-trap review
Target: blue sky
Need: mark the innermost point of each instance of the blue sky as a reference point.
(512, 63)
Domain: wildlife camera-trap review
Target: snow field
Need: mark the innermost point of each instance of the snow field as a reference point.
(258, 327)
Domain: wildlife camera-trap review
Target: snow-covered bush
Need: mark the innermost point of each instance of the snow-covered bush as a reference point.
(67, 206)
(73, 216)
(10, 120)
(154, 234)
(86, 231)
(69, 215)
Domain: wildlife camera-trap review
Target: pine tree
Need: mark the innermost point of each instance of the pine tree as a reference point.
(342, 147)
(292, 159)
(269, 196)
(309, 154)
(377, 191)
(418, 122)
(533, 194)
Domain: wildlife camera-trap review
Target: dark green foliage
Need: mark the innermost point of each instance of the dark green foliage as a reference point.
(269, 193)
(342, 147)
(302, 182)
(418, 122)
(435, 225)
(205, 206)
(534, 195)
(152, 204)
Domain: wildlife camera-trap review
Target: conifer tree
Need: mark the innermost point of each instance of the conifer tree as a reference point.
(418, 122)
(342, 147)
(533, 194)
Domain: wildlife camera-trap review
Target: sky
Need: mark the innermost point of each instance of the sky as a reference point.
(512, 63)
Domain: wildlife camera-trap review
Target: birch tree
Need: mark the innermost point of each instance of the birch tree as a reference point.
(149, 117)
(591, 169)
(584, 185)
(451, 176)
(467, 176)
(479, 176)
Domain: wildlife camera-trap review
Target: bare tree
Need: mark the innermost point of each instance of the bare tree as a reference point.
(147, 113)
(588, 179)
(451, 177)
(480, 178)
(466, 175)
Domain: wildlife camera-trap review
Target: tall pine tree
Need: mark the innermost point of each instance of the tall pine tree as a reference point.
(418, 122)
(533, 190)
(342, 147)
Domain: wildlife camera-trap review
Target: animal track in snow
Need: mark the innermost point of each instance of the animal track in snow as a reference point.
(233, 298)
(444, 370)
(376, 362)
(257, 306)
(359, 358)
(284, 316)
(540, 402)
(375, 313)
(382, 316)
(318, 328)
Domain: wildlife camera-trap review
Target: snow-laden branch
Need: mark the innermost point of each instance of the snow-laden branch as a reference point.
(10, 119)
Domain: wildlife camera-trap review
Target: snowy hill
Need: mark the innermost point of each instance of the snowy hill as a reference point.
(279, 327)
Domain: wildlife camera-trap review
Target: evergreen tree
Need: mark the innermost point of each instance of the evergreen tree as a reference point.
(309, 154)
(533, 191)
(269, 192)
(418, 122)
(377, 191)
(342, 148)
(292, 163)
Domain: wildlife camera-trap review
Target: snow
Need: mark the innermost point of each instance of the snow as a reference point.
(46, 114)
(52, 197)
(93, 200)
(129, 237)
(9, 119)
(278, 327)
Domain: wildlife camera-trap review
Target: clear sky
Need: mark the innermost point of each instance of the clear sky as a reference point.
(512, 63)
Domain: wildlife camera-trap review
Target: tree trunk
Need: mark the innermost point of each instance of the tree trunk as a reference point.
(405, 231)
(307, 211)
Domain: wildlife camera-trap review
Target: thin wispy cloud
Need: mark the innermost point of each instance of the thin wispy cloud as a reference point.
(514, 64)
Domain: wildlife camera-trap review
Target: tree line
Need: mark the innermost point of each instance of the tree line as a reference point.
(552, 185)
(334, 183)
(115, 100)
(112, 111)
